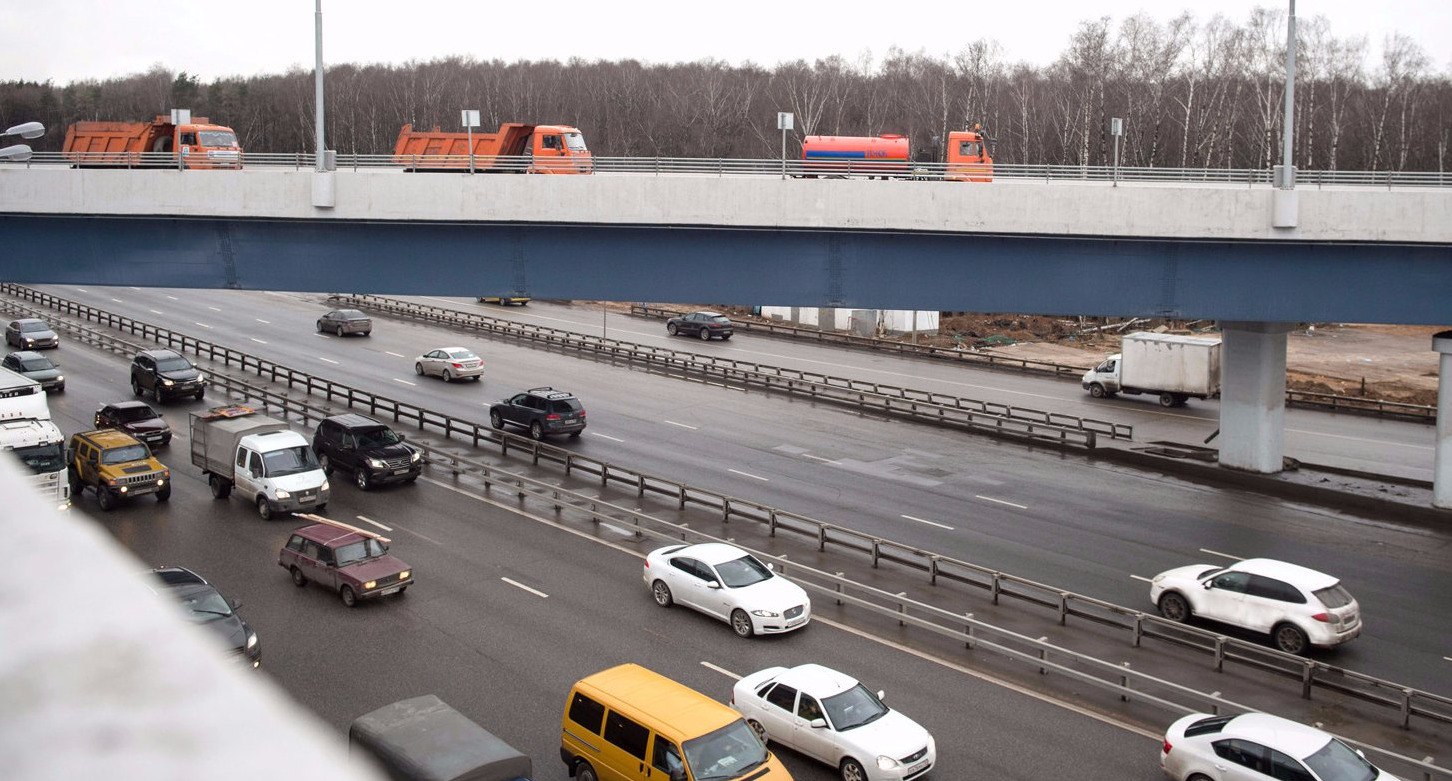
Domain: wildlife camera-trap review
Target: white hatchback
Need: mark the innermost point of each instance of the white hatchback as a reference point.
(1255, 746)
(727, 582)
(831, 717)
(1296, 606)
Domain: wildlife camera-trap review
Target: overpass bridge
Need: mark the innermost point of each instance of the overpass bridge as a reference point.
(1256, 259)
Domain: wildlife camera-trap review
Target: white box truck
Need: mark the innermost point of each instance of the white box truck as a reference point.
(267, 463)
(1170, 366)
(27, 430)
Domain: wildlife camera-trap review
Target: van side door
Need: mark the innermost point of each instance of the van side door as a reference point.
(624, 750)
(246, 480)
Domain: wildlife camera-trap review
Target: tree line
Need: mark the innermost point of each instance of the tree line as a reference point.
(1196, 94)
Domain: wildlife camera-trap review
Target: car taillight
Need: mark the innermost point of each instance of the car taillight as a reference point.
(1324, 618)
(1166, 748)
(582, 413)
(458, 365)
(552, 416)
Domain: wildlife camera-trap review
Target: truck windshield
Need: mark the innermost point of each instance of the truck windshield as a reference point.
(575, 142)
(216, 138)
(355, 552)
(42, 458)
(729, 752)
(289, 461)
(121, 455)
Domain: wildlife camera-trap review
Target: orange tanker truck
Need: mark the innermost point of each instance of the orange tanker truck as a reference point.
(516, 148)
(177, 140)
(889, 156)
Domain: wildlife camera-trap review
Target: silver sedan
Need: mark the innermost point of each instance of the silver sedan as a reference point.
(451, 363)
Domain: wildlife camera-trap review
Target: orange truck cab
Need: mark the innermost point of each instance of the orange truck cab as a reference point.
(191, 144)
(516, 148)
(968, 159)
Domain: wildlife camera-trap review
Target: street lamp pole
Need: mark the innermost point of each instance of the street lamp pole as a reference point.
(320, 162)
(1288, 173)
(21, 152)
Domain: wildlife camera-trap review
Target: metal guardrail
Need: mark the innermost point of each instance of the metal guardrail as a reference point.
(1046, 658)
(1137, 625)
(724, 167)
(937, 408)
(1328, 401)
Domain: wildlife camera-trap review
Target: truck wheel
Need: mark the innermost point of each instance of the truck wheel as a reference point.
(264, 509)
(221, 489)
(349, 598)
(1097, 391)
(164, 493)
(1167, 399)
(106, 498)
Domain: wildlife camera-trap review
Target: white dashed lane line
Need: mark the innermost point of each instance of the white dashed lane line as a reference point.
(135, 288)
(204, 325)
(255, 339)
(1222, 555)
(598, 434)
(214, 309)
(519, 585)
(405, 382)
(395, 355)
(818, 458)
(366, 519)
(264, 322)
(117, 300)
(682, 425)
(1000, 501)
(82, 290)
(722, 670)
(174, 298)
(928, 522)
(748, 474)
(1141, 577)
(329, 360)
(156, 311)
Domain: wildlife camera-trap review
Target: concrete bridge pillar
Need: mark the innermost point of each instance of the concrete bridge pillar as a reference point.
(1253, 395)
(1442, 471)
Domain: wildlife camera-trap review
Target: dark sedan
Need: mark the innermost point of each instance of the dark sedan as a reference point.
(30, 333)
(37, 367)
(345, 321)
(205, 606)
(138, 419)
(705, 325)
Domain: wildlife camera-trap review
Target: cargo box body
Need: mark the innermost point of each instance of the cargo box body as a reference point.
(1168, 363)
(215, 439)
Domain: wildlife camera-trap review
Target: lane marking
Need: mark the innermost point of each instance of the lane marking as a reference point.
(329, 360)
(83, 290)
(366, 519)
(214, 309)
(1448, 658)
(204, 325)
(117, 300)
(255, 339)
(156, 311)
(405, 382)
(325, 336)
(1000, 501)
(1141, 577)
(928, 522)
(722, 670)
(135, 288)
(174, 298)
(533, 591)
(264, 322)
(748, 474)
(395, 355)
(424, 537)
(682, 425)
(622, 532)
(819, 458)
(1223, 555)
(598, 434)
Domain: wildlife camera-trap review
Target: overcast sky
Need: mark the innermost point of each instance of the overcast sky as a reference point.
(68, 40)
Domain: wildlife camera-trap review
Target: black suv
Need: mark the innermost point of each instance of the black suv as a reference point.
(370, 450)
(167, 374)
(542, 411)
(205, 606)
(136, 418)
(703, 324)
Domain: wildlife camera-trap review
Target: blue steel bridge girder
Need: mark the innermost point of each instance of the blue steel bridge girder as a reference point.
(1281, 281)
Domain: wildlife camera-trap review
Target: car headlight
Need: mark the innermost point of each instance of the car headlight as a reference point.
(404, 575)
(251, 640)
(376, 464)
(60, 378)
(281, 494)
(886, 763)
(201, 377)
(372, 584)
(326, 486)
(160, 481)
(1158, 578)
(415, 457)
(167, 383)
(765, 614)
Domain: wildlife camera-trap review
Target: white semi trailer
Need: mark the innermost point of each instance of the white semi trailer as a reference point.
(27, 431)
(1170, 366)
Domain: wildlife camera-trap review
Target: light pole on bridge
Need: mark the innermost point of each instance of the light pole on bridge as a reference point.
(21, 152)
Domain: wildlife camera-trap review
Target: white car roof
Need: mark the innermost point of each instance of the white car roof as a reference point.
(1284, 735)
(817, 680)
(712, 553)
(1296, 575)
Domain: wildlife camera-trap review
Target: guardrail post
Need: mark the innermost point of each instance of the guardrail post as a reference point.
(558, 506)
(1406, 708)
(995, 588)
(1220, 654)
(1138, 628)
(1063, 608)
(1043, 657)
(821, 538)
(535, 449)
(520, 494)
(771, 522)
(725, 510)
(604, 475)
(1124, 684)
(968, 630)
(569, 463)
(1308, 671)
(681, 495)
(902, 610)
(876, 552)
(932, 570)
(639, 486)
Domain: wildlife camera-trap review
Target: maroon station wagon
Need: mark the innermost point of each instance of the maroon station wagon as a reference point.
(351, 561)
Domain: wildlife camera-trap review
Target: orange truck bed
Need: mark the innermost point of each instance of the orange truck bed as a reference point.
(516, 148)
(200, 143)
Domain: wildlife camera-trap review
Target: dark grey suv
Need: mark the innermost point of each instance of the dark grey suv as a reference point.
(542, 411)
(373, 452)
(167, 374)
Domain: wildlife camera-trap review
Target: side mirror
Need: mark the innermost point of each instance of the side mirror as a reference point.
(713, 584)
(1209, 584)
(881, 695)
(818, 724)
(769, 565)
(401, 437)
(234, 604)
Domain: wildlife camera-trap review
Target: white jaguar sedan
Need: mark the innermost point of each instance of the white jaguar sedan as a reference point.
(728, 583)
(833, 718)
(1256, 746)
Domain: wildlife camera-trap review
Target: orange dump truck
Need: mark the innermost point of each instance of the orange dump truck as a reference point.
(516, 148)
(192, 143)
(888, 156)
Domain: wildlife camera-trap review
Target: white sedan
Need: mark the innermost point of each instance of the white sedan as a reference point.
(727, 582)
(451, 363)
(1256, 746)
(833, 718)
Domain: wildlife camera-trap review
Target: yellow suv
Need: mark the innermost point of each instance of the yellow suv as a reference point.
(116, 466)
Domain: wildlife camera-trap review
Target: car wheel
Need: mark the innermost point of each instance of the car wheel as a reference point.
(418, 369)
(583, 772)
(321, 507)
(77, 488)
(299, 579)
(536, 431)
(740, 623)
(349, 598)
(105, 498)
(496, 420)
(662, 593)
(448, 376)
(758, 729)
(325, 464)
(221, 489)
(201, 394)
(1290, 638)
(575, 434)
(725, 337)
(338, 330)
(367, 333)
(1167, 399)
(852, 770)
(671, 329)
(264, 509)
(1174, 607)
(361, 478)
(1097, 391)
(705, 334)
(135, 387)
(320, 326)
(164, 494)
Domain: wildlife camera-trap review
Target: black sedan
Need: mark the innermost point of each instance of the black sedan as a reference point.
(702, 324)
(30, 333)
(204, 605)
(136, 418)
(37, 367)
(345, 321)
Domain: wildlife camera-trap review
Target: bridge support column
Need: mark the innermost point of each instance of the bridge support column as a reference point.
(1442, 471)
(1253, 395)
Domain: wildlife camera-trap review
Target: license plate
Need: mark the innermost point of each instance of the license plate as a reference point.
(796, 621)
(402, 471)
(387, 591)
(307, 499)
